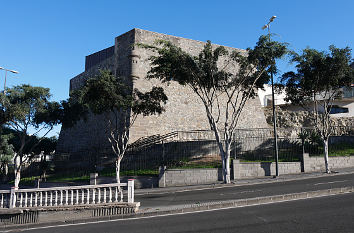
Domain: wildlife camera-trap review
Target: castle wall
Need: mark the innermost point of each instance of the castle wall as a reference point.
(86, 135)
(184, 110)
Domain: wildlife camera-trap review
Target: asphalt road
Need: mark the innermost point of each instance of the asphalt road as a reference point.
(325, 214)
(156, 200)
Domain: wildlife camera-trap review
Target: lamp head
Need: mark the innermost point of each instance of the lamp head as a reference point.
(272, 18)
(14, 71)
(265, 26)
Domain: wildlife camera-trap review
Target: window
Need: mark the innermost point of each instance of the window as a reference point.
(337, 109)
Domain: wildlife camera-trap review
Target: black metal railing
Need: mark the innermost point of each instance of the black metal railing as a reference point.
(198, 148)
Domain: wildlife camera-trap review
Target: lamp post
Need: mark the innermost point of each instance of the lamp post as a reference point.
(273, 105)
(12, 71)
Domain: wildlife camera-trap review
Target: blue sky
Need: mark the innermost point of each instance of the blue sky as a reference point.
(47, 41)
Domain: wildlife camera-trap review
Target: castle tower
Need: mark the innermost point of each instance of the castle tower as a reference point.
(184, 110)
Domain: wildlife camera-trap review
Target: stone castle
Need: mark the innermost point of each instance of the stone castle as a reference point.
(184, 110)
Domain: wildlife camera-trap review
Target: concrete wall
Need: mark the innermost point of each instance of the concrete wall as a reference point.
(181, 177)
(310, 164)
(259, 169)
(316, 163)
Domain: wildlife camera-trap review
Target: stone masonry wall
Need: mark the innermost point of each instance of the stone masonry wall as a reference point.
(287, 118)
(184, 110)
(89, 134)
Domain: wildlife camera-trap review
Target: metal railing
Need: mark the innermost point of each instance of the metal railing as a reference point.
(66, 196)
(198, 148)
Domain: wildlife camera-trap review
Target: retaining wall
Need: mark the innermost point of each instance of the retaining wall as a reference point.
(316, 163)
(310, 164)
(181, 177)
(258, 169)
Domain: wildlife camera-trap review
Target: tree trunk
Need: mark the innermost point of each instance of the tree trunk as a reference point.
(6, 169)
(227, 178)
(325, 144)
(118, 170)
(17, 169)
(223, 162)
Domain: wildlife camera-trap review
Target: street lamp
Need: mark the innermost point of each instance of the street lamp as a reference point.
(12, 71)
(273, 105)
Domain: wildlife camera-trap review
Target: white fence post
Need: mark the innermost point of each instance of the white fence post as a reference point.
(130, 190)
(12, 198)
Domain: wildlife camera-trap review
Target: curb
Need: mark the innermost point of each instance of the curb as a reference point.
(246, 202)
(190, 208)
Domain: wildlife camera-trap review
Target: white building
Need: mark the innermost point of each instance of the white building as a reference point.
(341, 107)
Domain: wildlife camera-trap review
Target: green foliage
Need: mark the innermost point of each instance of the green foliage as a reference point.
(109, 172)
(311, 137)
(29, 181)
(72, 109)
(105, 93)
(120, 105)
(149, 103)
(69, 178)
(202, 72)
(318, 73)
(342, 149)
(28, 107)
(336, 150)
(42, 144)
(6, 150)
(221, 80)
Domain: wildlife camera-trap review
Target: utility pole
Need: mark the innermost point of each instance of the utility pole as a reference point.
(273, 105)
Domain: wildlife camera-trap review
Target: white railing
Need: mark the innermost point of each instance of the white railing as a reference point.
(66, 196)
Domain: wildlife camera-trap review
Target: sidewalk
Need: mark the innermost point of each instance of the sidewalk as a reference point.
(248, 181)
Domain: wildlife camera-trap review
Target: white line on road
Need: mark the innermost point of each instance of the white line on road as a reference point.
(341, 181)
(247, 191)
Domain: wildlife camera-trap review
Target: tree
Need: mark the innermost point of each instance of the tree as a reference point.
(319, 80)
(6, 153)
(28, 107)
(45, 147)
(120, 105)
(223, 91)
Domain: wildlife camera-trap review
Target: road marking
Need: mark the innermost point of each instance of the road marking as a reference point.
(263, 219)
(340, 181)
(247, 191)
(165, 215)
